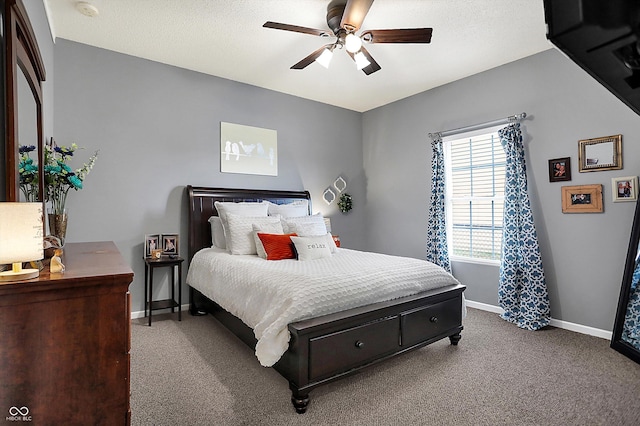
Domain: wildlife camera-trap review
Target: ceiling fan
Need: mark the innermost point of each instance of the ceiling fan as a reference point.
(344, 18)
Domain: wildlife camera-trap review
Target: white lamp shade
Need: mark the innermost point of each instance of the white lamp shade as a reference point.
(21, 227)
(325, 58)
(361, 60)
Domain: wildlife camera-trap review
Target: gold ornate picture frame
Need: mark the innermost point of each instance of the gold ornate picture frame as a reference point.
(582, 199)
(599, 154)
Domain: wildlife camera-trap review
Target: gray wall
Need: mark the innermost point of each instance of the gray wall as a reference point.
(158, 129)
(583, 254)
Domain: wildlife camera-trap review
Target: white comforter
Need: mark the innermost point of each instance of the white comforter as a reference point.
(268, 295)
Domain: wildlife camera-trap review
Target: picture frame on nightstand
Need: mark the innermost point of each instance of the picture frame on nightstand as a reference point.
(151, 243)
(170, 244)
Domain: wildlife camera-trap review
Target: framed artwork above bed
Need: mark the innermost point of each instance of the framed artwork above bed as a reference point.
(248, 150)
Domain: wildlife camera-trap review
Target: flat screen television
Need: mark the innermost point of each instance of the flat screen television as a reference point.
(602, 37)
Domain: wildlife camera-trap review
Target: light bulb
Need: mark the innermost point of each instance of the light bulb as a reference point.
(352, 43)
(325, 58)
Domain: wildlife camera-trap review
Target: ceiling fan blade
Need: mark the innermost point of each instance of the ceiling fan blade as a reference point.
(296, 29)
(408, 35)
(309, 59)
(354, 14)
(373, 65)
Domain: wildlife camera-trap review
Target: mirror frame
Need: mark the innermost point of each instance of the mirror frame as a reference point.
(22, 55)
(616, 339)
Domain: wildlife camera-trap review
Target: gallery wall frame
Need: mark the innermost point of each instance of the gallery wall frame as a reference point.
(600, 154)
(248, 150)
(560, 169)
(582, 199)
(624, 188)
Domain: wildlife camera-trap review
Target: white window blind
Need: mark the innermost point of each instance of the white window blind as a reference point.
(475, 195)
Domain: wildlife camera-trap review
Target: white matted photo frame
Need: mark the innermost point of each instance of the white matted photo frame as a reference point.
(170, 244)
(624, 188)
(151, 242)
(248, 150)
(582, 199)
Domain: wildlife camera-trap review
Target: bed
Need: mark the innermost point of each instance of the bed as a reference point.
(323, 348)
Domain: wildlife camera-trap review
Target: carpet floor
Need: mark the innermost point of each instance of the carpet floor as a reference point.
(195, 372)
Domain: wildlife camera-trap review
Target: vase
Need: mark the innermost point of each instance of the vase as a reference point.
(58, 225)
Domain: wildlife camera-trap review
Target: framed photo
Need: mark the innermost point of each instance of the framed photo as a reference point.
(582, 199)
(151, 242)
(600, 154)
(624, 188)
(560, 169)
(170, 244)
(249, 150)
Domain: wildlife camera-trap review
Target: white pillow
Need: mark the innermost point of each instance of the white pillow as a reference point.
(311, 248)
(217, 233)
(329, 237)
(296, 209)
(240, 209)
(238, 232)
(311, 225)
(266, 228)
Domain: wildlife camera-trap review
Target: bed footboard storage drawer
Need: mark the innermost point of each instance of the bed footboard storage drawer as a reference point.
(355, 347)
(427, 322)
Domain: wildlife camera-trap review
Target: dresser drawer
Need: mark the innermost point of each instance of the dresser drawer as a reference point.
(424, 323)
(356, 346)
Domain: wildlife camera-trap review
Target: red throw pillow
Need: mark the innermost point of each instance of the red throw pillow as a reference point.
(278, 246)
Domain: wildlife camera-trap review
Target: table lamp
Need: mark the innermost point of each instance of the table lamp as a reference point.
(21, 226)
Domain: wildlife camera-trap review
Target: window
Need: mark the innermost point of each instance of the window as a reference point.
(475, 195)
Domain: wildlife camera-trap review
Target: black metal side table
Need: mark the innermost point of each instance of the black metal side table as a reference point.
(151, 305)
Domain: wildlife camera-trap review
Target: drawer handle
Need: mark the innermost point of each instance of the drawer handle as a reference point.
(433, 319)
(359, 344)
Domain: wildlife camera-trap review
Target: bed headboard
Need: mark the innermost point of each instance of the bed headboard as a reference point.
(201, 208)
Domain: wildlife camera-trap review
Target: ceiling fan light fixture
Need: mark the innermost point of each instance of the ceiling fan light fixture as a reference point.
(325, 58)
(352, 43)
(361, 60)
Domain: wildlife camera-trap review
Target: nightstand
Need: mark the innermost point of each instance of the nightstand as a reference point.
(151, 305)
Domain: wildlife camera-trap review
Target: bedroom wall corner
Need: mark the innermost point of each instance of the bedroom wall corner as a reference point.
(583, 254)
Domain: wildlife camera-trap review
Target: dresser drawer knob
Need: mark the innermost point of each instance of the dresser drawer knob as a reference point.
(433, 319)
(359, 344)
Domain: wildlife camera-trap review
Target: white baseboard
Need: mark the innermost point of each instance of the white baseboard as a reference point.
(578, 328)
(140, 314)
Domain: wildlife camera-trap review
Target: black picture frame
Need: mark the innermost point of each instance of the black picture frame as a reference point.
(560, 169)
(170, 244)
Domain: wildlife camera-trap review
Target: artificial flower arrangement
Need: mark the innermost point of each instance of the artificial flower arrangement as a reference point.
(59, 177)
(28, 172)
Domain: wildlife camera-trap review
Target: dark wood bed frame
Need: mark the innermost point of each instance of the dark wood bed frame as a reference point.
(333, 346)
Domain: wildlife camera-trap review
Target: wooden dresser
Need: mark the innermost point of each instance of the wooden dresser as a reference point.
(65, 341)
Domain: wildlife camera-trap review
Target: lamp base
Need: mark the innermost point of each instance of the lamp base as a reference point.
(25, 274)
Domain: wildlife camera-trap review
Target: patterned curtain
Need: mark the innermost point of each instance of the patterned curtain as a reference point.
(437, 249)
(522, 291)
(631, 328)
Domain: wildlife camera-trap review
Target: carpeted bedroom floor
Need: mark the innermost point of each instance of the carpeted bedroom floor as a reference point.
(195, 372)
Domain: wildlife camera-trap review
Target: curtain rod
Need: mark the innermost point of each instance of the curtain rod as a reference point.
(510, 119)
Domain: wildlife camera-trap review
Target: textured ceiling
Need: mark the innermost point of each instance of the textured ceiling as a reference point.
(225, 38)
